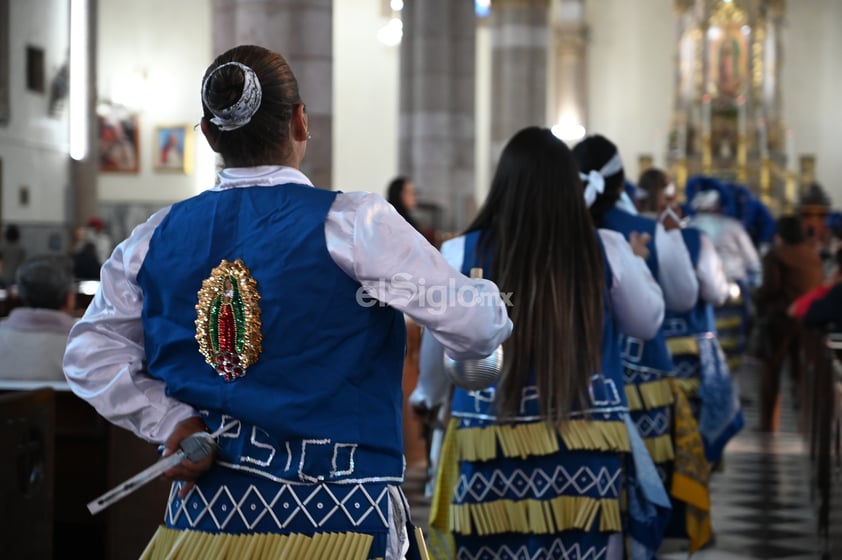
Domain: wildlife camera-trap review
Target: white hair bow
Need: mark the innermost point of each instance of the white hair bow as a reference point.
(596, 186)
(596, 178)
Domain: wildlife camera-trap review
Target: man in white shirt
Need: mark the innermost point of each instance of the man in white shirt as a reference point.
(34, 336)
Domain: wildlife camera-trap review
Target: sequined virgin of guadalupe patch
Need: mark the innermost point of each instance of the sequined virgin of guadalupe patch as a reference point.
(228, 320)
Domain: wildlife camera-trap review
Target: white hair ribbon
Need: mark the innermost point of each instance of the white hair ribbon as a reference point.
(669, 190)
(596, 179)
(240, 113)
(625, 203)
(705, 200)
(596, 186)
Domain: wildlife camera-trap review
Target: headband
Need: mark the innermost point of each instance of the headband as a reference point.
(240, 113)
(705, 200)
(596, 179)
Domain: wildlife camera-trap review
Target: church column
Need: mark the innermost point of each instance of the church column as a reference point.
(437, 104)
(83, 193)
(568, 107)
(519, 68)
(303, 33)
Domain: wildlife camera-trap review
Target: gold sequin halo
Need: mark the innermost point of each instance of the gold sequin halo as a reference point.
(228, 320)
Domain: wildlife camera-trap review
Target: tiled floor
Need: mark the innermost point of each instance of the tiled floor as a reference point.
(761, 500)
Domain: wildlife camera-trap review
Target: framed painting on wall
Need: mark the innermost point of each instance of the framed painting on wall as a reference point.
(119, 149)
(173, 148)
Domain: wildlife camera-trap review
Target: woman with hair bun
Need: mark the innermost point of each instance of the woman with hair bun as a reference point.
(267, 312)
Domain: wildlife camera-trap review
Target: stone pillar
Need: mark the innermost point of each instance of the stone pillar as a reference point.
(519, 68)
(83, 193)
(437, 104)
(568, 106)
(772, 49)
(303, 33)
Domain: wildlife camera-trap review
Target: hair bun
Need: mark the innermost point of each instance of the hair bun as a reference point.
(241, 111)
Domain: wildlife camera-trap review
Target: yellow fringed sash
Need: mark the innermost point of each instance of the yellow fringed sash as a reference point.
(536, 516)
(540, 438)
(683, 346)
(646, 396)
(441, 544)
(660, 448)
(689, 387)
(524, 516)
(174, 544)
(726, 323)
(692, 474)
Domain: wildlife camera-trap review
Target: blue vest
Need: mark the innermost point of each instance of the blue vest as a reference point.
(699, 319)
(323, 401)
(650, 353)
(606, 392)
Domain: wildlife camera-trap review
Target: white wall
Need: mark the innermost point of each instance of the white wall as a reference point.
(631, 64)
(630, 83)
(482, 157)
(170, 44)
(812, 86)
(365, 99)
(34, 145)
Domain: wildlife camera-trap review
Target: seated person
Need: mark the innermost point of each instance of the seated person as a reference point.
(826, 311)
(34, 335)
(86, 264)
(803, 304)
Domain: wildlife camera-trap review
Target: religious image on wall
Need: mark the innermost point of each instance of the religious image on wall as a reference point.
(728, 59)
(118, 141)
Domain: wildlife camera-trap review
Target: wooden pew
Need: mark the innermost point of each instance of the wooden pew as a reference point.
(27, 424)
(90, 456)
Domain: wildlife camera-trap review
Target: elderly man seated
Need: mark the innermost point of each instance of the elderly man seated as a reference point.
(33, 337)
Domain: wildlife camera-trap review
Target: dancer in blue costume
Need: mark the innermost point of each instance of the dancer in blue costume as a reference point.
(647, 363)
(701, 371)
(691, 336)
(533, 467)
(740, 260)
(276, 308)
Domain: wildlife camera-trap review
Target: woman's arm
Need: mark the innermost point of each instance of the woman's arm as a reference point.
(433, 385)
(826, 310)
(713, 285)
(104, 362)
(636, 298)
(676, 274)
(369, 240)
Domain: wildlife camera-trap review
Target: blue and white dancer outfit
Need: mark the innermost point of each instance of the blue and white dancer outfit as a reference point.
(707, 412)
(700, 366)
(280, 307)
(647, 363)
(742, 267)
(522, 487)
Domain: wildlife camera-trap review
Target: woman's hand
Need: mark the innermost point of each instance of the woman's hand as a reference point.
(670, 221)
(187, 470)
(638, 242)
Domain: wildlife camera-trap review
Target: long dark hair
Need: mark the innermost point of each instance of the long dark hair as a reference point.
(540, 237)
(652, 181)
(394, 194)
(591, 154)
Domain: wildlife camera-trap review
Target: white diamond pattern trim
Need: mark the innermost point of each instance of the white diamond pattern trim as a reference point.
(653, 422)
(479, 487)
(355, 511)
(556, 550)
